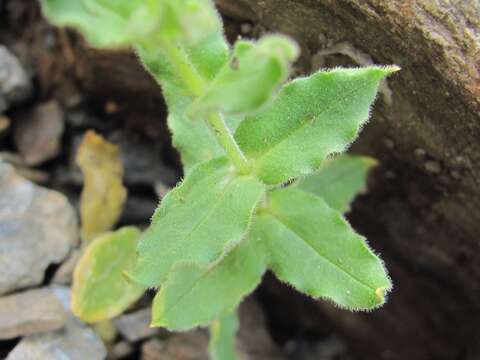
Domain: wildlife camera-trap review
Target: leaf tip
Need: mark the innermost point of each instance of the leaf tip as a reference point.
(380, 294)
(390, 69)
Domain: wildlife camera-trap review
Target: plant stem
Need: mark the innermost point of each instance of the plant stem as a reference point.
(197, 86)
(189, 75)
(226, 140)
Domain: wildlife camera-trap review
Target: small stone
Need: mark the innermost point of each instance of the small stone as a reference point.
(161, 189)
(15, 84)
(246, 28)
(420, 153)
(253, 339)
(63, 276)
(38, 133)
(433, 167)
(186, 346)
(30, 312)
(4, 124)
(135, 326)
(121, 350)
(38, 227)
(389, 144)
(75, 342)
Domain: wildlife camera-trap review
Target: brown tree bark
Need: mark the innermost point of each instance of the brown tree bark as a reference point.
(423, 210)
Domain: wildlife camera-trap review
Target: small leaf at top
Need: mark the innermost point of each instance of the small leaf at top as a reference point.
(253, 74)
(196, 295)
(100, 290)
(103, 194)
(312, 247)
(222, 337)
(339, 180)
(309, 119)
(197, 222)
(115, 23)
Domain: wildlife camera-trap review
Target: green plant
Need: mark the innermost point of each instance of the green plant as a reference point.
(252, 148)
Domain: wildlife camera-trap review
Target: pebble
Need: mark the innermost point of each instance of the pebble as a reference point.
(38, 133)
(30, 312)
(76, 341)
(38, 227)
(15, 84)
(433, 167)
(136, 325)
(63, 275)
(187, 346)
(4, 124)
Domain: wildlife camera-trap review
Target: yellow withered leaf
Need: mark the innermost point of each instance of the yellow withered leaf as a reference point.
(103, 194)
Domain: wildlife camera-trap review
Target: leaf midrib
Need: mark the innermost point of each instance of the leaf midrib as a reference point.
(267, 150)
(279, 220)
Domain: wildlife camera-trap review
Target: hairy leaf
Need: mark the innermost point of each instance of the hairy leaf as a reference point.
(197, 222)
(101, 26)
(250, 78)
(312, 247)
(309, 119)
(339, 180)
(103, 194)
(100, 290)
(222, 338)
(114, 23)
(196, 295)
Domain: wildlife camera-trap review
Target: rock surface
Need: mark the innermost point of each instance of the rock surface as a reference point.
(253, 340)
(38, 133)
(423, 209)
(75, 342)
(63, 275)
(30, 312)
(15, 85)
(188, 346)
(38, 227)
(135, 326)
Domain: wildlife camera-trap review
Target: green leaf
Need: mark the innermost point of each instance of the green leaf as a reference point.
(101, 26)
(250, 78)
(339, 180)
(196, 295)
(310, 119)
(197, 222)
(222, 338)
(312, 247)
(100, 290)
(114, 23)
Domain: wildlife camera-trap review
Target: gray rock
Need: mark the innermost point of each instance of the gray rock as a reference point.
(63, 276)
(187, 346)
(75, 342)
(38, 132)
(253, 340)
(38, 227)
(135, 326)
(15, 84)
(30, 312)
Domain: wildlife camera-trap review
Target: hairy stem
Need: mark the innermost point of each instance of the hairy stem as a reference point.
(226, 140)
(188, 74)
(197, 86)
